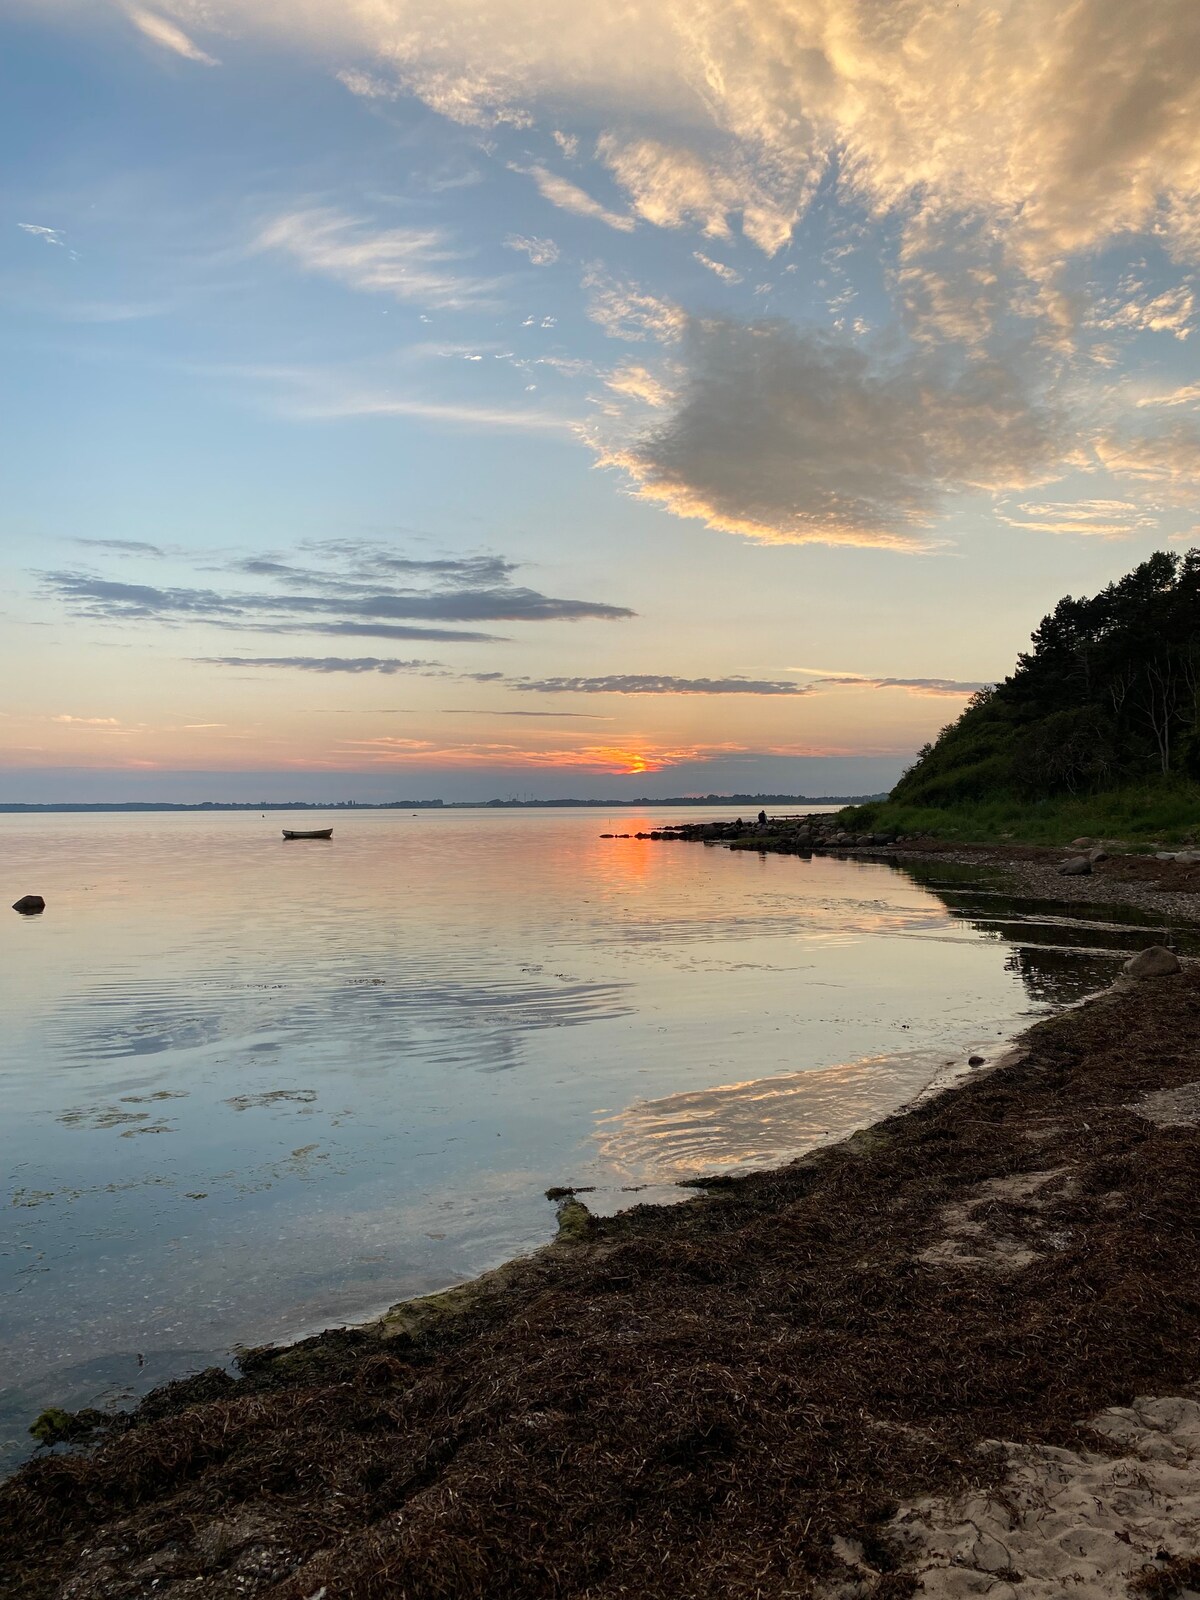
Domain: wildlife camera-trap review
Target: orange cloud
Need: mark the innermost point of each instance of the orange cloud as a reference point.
(610, 759)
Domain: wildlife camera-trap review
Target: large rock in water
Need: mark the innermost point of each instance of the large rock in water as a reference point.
(1155, 962)
(1077, 867)
(29, 905)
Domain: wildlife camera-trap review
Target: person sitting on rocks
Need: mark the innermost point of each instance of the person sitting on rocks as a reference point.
(762, 817)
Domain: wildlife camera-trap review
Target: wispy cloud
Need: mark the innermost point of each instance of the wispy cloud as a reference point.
(1170, 311)
(627, 760)
(726, 274)
(1095, 519)
(542, 252)
(366, 403)
(1055, 129)
(556, 716)
(124, 547)
(102, 597)
(414, 264)
(46, 235)
(1187, 394)
(658, 683)
(169, 35)
(367, 85)
(388, 666)
(626, 311)
(951, 688)
(360, 591)
(568, 196)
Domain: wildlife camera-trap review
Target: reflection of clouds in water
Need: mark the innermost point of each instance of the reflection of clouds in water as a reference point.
(759, 1123)
(463, 1023)
(829, 920)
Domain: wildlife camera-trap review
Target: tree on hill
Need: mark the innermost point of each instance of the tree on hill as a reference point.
(1109, 693)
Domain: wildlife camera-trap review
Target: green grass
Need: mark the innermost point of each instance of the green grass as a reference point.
(1145, 815)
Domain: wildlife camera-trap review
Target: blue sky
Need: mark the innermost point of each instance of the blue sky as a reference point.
(468, 399)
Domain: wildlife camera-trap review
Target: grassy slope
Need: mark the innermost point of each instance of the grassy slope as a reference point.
(1145, 815)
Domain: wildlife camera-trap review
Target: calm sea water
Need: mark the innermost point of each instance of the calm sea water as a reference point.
(252, 1088)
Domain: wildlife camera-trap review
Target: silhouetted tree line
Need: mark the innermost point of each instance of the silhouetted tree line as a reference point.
(1109, 693)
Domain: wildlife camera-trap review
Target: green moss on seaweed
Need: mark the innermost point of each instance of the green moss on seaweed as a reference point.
(56, 1426)
(575, 1223)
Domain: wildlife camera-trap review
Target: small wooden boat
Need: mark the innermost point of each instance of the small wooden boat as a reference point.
(312, 833)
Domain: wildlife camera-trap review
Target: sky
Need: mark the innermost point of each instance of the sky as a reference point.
(473, 398)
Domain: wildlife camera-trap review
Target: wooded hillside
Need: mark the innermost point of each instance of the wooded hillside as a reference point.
(1109, 694)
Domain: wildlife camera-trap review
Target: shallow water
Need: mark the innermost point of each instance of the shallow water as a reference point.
(252, 1088)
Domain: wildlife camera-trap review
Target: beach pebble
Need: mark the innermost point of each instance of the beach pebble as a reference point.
(1154, 962)
(29, 905)
(1077, 867)
(1098, 854)
(1082, 844)
(976, 1061)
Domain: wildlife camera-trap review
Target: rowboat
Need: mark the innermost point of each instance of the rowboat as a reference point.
(312, 833)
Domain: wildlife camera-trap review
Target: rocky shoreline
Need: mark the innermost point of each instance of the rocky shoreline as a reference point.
(1166, 882)
(956, 1351)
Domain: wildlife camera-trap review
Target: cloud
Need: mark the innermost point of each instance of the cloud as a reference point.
(937, 687)
(412, 264)
(124, 547)
(656, 683)
(358, 561)
(1171, 311)
(362, 590)
(325, 664)
(557, 716)
(1186, 395)
(625, 311)
(366, 85)
(1064, 126)
(626, 760)
(103, 597)
(1100, 519)
(568, 196)
(375, 630)
(673, 186)
(169, 35)
(542, 252)
(365, 403)
(791, 436)
(46, 235)
(89, 722)
(638, 383)
(1163, 461)
(726, 274)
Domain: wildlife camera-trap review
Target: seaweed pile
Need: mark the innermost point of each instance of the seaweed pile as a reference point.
(694, 1401)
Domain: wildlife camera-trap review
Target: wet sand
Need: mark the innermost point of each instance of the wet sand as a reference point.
(956, 1350)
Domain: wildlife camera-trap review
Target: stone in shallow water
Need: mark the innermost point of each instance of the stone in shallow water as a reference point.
(1155, 962)
(29, 905)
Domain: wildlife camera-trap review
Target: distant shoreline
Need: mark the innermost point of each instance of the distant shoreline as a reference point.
(66, 806)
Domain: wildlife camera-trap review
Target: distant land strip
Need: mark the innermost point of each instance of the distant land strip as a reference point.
(437, 805)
